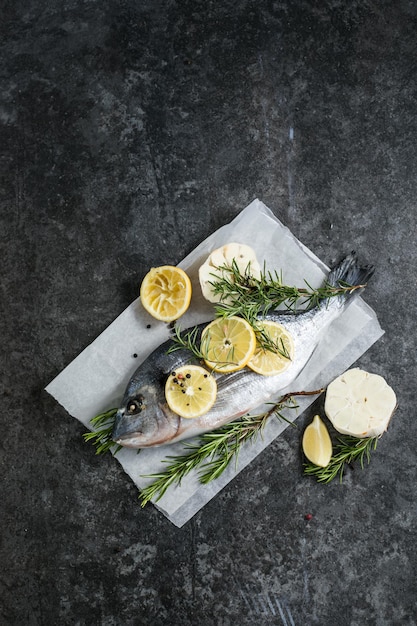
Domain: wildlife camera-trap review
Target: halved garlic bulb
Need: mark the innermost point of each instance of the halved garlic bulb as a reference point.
(244, 257)
(360, 404)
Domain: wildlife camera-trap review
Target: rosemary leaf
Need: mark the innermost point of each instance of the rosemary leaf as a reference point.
(100, 437)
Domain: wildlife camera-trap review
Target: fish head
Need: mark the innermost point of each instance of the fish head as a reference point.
(144, 418)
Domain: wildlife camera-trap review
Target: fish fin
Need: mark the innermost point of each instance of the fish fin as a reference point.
(350, 272)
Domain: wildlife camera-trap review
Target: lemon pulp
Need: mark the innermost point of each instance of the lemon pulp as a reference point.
(228, 344)
(272, 362)
(317, 445)
(190, 391)
(166, 292)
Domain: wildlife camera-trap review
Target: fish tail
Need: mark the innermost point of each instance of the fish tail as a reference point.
(349, 272)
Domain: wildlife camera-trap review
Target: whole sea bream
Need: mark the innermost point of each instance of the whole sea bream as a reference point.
(144, 418)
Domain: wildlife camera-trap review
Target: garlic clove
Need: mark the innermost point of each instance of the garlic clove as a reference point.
(244, 257)
(207, 274)
(217, 258)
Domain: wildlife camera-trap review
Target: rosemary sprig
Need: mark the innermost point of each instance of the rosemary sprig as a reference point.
(100, 437)
(249, 297)
(190, 340)
(187, 340)
(348, 449)
(214, 451)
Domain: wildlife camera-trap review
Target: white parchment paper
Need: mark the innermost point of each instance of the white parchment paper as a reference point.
(96, 379)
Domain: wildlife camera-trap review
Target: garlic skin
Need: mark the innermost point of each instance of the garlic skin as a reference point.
(244, 257)
(360, 404)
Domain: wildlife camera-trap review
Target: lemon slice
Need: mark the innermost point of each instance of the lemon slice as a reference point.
(317, 445)
(268, 362)
(165, 292)
(228, 344)
(190, 391)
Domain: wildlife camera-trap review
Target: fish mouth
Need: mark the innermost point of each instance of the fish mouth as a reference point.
(123, 429)
(133, 434)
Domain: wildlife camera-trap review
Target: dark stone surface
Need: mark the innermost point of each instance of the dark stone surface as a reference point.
(130, 131)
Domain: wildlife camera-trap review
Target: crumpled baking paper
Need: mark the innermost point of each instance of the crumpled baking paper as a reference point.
(96, 379)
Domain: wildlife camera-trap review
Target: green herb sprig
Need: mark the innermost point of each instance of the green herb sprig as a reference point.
(214, 451)
(243, 295)
(247, 296)
(348, 450)
(189, 340)
(100, 437)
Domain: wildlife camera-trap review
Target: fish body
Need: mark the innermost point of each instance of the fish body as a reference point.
(144, 418)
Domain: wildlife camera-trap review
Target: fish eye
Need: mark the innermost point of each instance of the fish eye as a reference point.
(136, 406)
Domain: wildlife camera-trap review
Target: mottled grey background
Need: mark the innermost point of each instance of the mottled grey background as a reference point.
(129, 131)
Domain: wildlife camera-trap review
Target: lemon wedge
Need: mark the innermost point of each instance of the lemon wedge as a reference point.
(360, 404)
(190, 391)
(165, 292)
(317, 445)
(213, 268)
(228, 344)
(268, 362)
